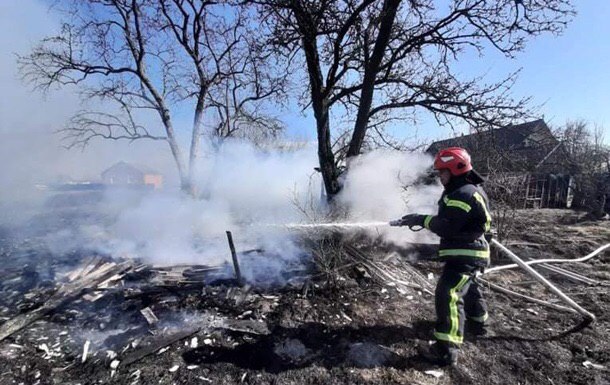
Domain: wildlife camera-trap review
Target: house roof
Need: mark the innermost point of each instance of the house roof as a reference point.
(521, 146)
(128, 167)
(146, 169)
(531, 134)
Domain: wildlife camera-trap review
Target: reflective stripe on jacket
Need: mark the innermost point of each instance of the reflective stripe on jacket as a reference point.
(463, 219)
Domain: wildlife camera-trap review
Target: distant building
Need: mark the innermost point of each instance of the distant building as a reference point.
(529, 147)
(125, 174)
(527, 154)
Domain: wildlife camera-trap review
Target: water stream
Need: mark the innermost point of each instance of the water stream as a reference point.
(331, 225)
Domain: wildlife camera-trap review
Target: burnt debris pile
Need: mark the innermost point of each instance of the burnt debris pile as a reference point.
(102, 313)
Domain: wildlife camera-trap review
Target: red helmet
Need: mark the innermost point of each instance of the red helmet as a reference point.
(454, 159)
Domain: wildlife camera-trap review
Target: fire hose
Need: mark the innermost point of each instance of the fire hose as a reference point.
(526, 266)
(589, 317)
(573, 306)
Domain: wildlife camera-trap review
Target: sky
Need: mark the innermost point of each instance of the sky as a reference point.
(568, 75)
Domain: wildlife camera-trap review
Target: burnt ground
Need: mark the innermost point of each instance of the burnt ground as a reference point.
(356, 331)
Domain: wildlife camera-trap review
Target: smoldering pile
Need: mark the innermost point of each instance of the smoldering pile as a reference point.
(104, 311)
(110, 313)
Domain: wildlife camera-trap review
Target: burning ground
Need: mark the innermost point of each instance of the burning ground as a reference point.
(137, 323)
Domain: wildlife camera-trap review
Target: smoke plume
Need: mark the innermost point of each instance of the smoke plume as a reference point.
(241, 188)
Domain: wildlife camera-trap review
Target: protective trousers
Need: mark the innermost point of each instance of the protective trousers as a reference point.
(457, 296)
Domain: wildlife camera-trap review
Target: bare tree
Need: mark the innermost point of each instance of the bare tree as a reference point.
(588, 159)
(144, 56)
(370, 58)
(238, 99)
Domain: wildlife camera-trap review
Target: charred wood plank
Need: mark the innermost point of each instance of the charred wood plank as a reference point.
(240, 326)
(158, 344)
(85, 268)
(64, 295)
(151, 318)
(95, 278)
(245, 326)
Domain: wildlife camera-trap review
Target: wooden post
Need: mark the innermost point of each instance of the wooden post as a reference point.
(543, 194)
(234, 256)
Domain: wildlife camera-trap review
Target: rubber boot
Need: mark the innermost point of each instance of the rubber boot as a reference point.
(476, 329)
(440, 353)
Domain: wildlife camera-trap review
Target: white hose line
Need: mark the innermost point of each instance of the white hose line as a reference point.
(506, 291)
(543, 280)
(568, 274)
(537, 261)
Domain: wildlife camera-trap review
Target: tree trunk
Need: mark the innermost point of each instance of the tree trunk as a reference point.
(185, 180)
(195, 142)
(597, 208)
(186, 184)
(388, 15)
(326, 157)
(319, 97)
(163, 111)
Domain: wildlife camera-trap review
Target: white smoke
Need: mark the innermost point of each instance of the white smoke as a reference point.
(242, 189)
(382, 185)
(253, 193)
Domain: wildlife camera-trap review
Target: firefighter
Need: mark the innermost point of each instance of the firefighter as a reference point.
(463, 223)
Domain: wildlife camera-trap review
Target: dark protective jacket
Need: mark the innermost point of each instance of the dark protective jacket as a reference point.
(462, 222)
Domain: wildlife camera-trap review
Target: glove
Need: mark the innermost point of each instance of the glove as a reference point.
(412, 220)
(490, 235)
